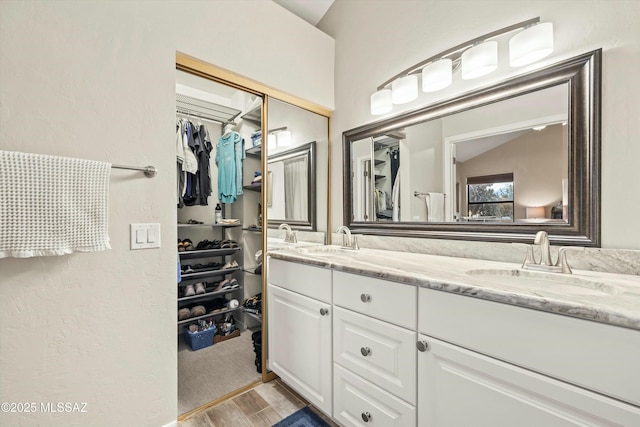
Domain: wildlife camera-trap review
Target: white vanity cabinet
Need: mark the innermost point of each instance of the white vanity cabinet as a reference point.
(485, 363)
(374, 334)
(299, 317)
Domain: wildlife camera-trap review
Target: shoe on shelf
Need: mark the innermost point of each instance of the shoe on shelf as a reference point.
(199, 288)
(231, 284)
(186, 269)
(189, 291)
(230, 264)
(184, 314)
(221, 285)
(198, 310)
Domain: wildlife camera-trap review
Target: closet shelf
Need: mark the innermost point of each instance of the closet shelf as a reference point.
(205, 253)
(379, 162)
(380, 176)
(204, 316)
(253, 187)
(188, 106)
(208, 295)
(208, 225)
(254, 151)
(208, 273)
(253, 316)
(254, 115)
(255, 229)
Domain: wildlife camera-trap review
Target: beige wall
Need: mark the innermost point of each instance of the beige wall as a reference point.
(535, 159)
(377, 39)
(96, 80)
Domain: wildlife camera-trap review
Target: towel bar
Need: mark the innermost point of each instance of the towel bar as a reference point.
(149, 171)
(418, 194)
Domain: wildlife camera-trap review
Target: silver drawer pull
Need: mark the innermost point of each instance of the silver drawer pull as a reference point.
(365, 351)
(324, 311)
(365, 297)
(422, 345)
(366, 417)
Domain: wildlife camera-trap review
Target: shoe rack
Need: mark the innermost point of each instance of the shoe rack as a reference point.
(211, 264)
(247, 208)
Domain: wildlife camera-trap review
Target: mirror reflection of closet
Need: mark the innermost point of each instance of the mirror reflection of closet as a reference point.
(297, 161)
(219, 268)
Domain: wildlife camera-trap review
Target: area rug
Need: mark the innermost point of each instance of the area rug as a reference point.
(304, 417)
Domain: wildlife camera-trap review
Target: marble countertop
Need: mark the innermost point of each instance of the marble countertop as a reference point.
(603, 297)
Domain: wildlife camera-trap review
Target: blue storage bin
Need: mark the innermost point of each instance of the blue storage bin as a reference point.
(199, 340)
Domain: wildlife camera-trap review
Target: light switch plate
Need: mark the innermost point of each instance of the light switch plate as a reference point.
(145, 236)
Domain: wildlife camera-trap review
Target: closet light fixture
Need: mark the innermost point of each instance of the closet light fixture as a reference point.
(475, 58)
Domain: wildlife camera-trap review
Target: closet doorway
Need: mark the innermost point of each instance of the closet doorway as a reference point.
(219, 160)
(239, 125)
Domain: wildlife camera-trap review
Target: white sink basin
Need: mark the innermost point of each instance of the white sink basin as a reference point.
(554, 282)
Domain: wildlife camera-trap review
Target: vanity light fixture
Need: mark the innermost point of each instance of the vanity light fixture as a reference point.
(479, 60)
(531, 44)
(381, 102)
(476, 58)
(404, 89)
(284, 138)
(437, 75)
(271, 141)
(279, 137)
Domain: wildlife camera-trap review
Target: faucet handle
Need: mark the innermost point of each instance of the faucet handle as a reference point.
(562, 261)
(529, 257)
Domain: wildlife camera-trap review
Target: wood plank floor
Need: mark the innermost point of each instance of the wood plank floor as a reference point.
(262, 406)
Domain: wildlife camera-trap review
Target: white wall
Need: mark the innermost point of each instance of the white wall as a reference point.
(96, 80)
(377, 39)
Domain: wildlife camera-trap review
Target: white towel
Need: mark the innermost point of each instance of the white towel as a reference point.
(435, 207)
(52, 205)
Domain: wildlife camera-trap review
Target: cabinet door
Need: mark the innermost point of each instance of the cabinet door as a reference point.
(300, 344)
(457, 387)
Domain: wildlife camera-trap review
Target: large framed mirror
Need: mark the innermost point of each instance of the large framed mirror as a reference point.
(291, 196)
(497, 164)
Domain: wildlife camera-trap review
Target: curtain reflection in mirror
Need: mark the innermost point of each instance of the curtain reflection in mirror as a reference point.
(296, 191)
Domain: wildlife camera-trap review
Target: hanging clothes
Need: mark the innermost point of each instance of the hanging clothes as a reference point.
(229, 158)
(193, 153)
(395, 164)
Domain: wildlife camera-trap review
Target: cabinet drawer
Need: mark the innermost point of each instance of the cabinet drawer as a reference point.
(384, 354)
(593, 355)
(389, 301)
(356, 400)
(314, 282)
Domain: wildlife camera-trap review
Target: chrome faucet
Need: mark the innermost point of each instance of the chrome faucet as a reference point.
(545, 264)
(290, 236)
(348, 240)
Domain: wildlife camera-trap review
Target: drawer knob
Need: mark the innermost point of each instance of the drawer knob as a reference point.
(324, 311)
(365, 351)
(422, 345)
(366, 417)
(365, 297)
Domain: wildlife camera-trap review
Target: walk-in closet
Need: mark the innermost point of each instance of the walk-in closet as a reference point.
(219, 168)
(250, 169)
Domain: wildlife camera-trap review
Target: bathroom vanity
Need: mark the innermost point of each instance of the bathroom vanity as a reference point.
(385, 338)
